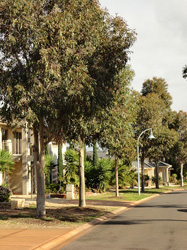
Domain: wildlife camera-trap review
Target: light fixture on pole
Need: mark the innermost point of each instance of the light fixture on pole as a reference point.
(151, 136)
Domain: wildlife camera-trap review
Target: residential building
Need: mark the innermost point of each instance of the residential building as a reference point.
(149, 169)
(19, 142)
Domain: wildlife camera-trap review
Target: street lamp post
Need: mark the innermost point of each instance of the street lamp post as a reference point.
(151, 136)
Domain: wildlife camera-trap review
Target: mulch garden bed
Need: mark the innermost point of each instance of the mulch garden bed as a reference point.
(55, 217)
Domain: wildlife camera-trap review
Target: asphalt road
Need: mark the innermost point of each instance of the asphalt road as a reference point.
(160, 223)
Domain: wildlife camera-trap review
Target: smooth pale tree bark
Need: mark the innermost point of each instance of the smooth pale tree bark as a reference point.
(40, 210)
(116, 176)
(82, 201)
(35, 157)
(181, 174)
(85, 153)
(31, 182)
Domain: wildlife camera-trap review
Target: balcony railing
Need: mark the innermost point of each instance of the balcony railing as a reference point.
(6, 145)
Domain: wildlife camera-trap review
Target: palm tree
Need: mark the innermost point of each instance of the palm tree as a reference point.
(6, 164)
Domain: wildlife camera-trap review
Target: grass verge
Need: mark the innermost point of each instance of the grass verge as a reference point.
(130, 194)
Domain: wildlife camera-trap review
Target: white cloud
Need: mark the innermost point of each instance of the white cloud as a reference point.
(171, 14)
(160, 49)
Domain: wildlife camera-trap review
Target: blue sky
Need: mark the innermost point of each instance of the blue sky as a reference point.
(161, 46)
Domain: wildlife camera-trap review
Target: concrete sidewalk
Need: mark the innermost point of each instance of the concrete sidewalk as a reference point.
(49, 239)
(26, 239)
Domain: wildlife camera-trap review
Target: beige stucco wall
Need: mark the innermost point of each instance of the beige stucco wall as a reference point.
(163, 173)
(20, 179)
(15, 179)
(150, 173)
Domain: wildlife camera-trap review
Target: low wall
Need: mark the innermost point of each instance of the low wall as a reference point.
(5, 205)
(13, 204)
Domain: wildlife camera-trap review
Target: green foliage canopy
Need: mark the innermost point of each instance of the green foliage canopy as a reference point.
(117, 121)
(181, 128)
(58, 63)
(165, 139)
(159, 87)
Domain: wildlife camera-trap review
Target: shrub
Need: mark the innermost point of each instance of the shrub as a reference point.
(104, 174)
(4, 194)
(131, 176)
(126, 175)
(52, 188)
(98, 177)
(91, 175)
(49, 165)
(47, 190)
(72, 167)
(173, 178)
(146, 177)
(154, 179)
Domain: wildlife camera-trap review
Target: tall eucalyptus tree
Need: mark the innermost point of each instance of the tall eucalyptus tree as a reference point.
(57, 65)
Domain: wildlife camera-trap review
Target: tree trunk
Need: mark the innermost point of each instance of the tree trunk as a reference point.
(95, 155)
(40, 210)
(82, 201)
(60, 161)
(156, 175)
(84, 153)
(7, 179)
(35, 158)
(182, 179)
(116, 175)
(142, 173)
(32, 176)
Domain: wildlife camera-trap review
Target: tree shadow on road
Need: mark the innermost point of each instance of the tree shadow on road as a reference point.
(161, 206)
(135, 222)
(182, 210)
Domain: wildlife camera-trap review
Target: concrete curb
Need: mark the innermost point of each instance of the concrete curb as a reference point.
(80, 230)
(146, 199)
(52, 244)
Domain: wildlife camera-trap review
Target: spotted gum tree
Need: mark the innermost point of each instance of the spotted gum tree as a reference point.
(57, 67)
(154, 109)
(116, 123)
(181, 145)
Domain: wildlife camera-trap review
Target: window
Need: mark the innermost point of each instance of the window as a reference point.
(17, 142)
(4, 139)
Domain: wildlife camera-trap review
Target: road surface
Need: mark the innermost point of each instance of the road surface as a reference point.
(160, 223)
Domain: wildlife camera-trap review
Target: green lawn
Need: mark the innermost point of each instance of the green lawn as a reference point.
(130, 194)
(124, 196)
